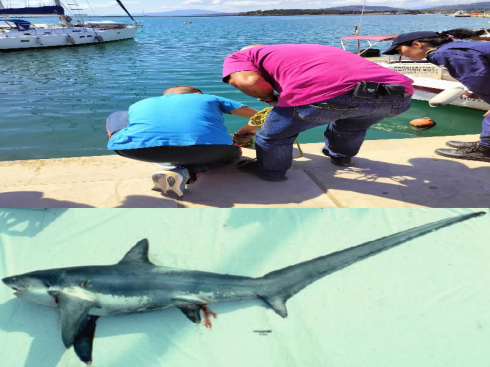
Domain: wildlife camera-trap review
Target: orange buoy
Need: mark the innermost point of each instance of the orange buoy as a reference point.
(422, 124)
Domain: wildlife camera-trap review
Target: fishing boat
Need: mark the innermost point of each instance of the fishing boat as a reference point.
(16, 34)
(431, 83)
(461, 14)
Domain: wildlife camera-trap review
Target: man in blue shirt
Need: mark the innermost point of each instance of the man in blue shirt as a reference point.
(468, 62)
(184, 127)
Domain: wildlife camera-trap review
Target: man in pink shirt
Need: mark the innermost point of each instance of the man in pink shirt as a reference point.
(316, 85)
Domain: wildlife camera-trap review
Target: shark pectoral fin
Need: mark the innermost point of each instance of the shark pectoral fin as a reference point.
(73, 312)
(84, 339)
(190, 299)
(138, 254)
(192, 312)
(278, 304)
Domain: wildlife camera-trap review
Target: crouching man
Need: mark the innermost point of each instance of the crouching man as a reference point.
(184, 128)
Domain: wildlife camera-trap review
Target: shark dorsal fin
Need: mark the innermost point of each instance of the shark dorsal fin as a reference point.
(138, 254)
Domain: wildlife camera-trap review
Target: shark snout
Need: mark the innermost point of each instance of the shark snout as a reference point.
(27, 287)
(9, 281)
(12, 282)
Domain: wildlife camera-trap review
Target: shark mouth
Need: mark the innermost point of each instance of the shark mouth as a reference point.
(18, 292)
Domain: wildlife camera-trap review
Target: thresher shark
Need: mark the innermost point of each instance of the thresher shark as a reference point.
(84, 293)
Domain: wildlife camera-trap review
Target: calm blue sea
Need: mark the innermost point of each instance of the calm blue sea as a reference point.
(54, 102)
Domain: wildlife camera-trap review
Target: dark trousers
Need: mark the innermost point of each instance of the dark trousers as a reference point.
(196, 158)
(480, 85)
(485, 132)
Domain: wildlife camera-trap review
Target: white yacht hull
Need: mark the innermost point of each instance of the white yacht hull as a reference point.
(58, 37)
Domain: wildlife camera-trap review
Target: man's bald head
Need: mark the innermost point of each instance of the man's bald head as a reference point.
(181, 89)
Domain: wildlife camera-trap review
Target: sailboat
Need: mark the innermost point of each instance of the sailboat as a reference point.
(18, 34)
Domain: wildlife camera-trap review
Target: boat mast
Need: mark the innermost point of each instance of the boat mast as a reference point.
(127, 12)
(63, 19)
(358, 28)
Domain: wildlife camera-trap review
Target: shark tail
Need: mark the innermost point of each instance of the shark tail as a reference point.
(278, 286)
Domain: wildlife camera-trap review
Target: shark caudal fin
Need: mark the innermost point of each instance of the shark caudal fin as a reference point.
(278, 286)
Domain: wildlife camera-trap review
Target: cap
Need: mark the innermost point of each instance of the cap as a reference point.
(406, 37)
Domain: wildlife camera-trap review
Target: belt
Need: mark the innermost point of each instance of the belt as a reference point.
(392, 90)
(372, 89)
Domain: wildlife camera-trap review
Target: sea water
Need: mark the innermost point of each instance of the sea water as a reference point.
(54, 102)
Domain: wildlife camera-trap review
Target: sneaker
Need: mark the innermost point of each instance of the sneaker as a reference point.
(250, 167)
(475, 153)
(172, 181)
(338, 161)
(341, 161)
(460, 144)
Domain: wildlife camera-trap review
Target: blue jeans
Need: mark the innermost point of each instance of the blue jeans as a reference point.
(485, 131)
(347, 117)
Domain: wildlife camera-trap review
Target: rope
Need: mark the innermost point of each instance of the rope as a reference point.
(258, 120)
(360, 20)
(93, 12)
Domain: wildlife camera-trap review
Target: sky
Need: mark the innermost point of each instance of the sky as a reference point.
(106, 7)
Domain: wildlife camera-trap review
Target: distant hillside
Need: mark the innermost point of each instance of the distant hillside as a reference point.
(359, 8)
(185, 12)
(485, 5)
(482, 5)
(286, 12)
(352, 9)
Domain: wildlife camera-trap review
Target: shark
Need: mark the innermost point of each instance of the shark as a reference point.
(82, 294)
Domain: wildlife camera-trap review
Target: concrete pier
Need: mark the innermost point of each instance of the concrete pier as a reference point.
(401, 173)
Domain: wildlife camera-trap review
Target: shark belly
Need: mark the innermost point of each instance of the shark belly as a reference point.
(111, 305)
(118, 304)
